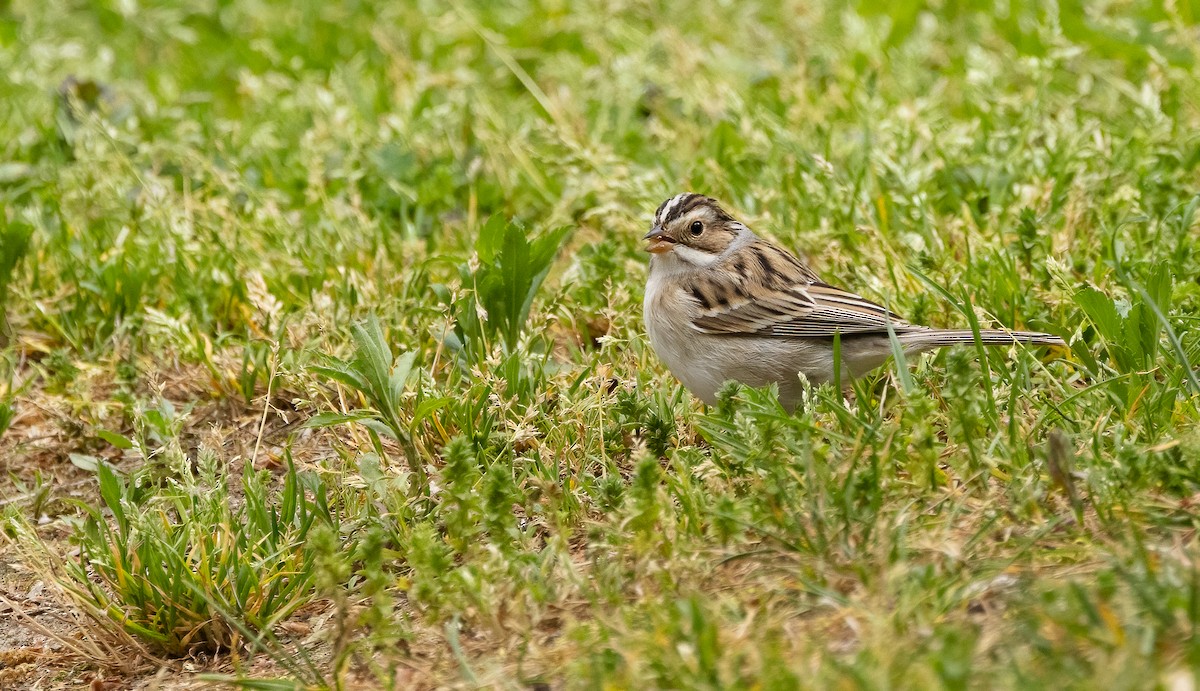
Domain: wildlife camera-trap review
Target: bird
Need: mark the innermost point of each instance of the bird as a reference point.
(723, 304)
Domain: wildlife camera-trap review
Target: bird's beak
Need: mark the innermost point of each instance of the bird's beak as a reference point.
(659, 243)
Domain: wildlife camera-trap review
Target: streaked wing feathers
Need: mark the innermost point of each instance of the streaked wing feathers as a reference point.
(779, 296)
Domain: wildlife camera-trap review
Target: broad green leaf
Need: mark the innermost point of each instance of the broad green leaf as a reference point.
(428, 406)
(380, 427)
(400, 373)
(343, 374)
(1100, 310)
(369, 470)
(83, 460)
(511, 272)
(118, 440)
(112, 491)
(373, 357)
(491, 236)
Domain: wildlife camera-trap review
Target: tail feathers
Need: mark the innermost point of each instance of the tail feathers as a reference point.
(937, 338)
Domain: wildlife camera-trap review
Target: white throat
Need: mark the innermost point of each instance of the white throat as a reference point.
(679, 260)
(697, 258)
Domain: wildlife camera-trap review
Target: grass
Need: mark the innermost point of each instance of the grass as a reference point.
(322, 358)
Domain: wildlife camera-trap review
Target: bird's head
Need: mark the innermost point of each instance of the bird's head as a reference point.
(692, 227)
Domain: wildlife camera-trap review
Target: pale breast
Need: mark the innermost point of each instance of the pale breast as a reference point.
(668, 315)
(700, 361)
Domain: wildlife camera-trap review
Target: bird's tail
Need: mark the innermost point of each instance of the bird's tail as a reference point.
(938, 338)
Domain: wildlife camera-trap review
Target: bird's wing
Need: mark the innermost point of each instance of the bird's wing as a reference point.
(776, 295)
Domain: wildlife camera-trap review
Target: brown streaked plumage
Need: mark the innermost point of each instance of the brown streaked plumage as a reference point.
(722, 303)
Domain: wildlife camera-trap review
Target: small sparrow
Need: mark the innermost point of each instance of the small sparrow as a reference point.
(722, 303)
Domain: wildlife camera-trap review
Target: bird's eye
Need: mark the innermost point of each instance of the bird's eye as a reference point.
(697, 228)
